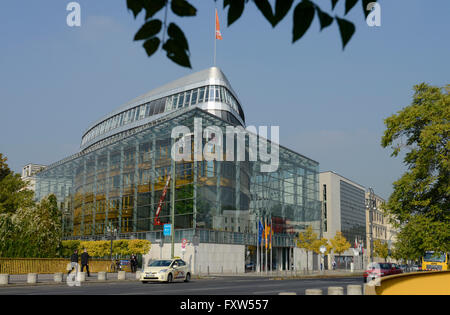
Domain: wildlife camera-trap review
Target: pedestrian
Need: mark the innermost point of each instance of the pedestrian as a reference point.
(334, 264)
(118, 266)
(73, 261)
(85, 262)
(133, 263)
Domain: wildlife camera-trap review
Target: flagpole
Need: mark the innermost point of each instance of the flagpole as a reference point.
(267, 245)
(257, 244)
(270, 242)
(215, 34)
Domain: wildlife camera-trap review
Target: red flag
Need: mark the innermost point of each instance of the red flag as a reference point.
(218, 34)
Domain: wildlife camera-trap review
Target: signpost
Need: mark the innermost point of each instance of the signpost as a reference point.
(167, 229)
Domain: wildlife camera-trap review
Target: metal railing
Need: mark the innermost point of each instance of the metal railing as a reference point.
(46, 265)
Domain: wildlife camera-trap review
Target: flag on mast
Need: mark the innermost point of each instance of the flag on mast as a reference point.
(218, 33)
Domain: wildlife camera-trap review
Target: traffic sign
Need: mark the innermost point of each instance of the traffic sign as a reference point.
(323, 249)
(167, 229)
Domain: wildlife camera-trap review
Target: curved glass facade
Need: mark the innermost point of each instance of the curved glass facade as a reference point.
(210, 93)
(121, 183)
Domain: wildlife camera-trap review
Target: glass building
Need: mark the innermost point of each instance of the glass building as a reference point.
(122, 169)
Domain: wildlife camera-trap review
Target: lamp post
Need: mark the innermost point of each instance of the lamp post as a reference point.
(112, 233)
(371, 205)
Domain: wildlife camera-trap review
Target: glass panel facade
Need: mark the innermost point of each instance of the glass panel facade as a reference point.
(213, 93)
(121, 183)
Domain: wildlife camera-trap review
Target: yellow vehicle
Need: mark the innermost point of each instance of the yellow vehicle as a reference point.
(166, 270)
(435, 261)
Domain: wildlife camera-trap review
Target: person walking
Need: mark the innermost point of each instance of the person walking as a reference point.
(134, 263)
(73, 261)
(85, 262)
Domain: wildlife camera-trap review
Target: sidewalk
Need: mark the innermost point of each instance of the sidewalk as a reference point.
(49, 278)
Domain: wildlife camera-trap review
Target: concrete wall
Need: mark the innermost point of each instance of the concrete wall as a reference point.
(218, 257)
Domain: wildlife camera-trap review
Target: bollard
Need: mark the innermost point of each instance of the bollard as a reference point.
(4, 278)
(32, 278)
(101, 275)
(58, 277)
(335, 291)
(313, 292)
(354, 289)
(138, 275)
(287, 293)
(81, 276)
(121, 275)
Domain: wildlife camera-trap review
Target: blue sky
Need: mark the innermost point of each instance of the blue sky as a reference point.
(329, 103)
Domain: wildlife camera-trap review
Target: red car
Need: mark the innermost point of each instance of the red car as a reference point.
(378, 270)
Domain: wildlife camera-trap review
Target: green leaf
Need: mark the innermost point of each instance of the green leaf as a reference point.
(282, 7)
(176, 53)
(303, 17)
(177, 34)
(324, 18)
(149, 29)
(151, 45)
(183, 8)
(177, 47)
(153, 6)
(266, 9)
(235, 10)
(135, 6)
(349, 4)
(365, 3)
(333, 4)
(346, 29)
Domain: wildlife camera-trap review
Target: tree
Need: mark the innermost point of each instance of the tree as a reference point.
(139, 247)
(177, 47)
(419, 204)
(339, 244)
(27, 228)
(307, 240)
(380, 249)
(13, 192)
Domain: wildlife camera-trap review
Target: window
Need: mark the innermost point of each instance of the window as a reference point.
(142, 112)
(169, 103)
(180, 100)
(206, 93)
(121, 119)
(211, 93)
(152, 108)
(194, 97)
(147, 109)
(217, 93)
(201, 94)
(187, 98)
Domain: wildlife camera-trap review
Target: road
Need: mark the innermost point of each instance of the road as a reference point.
(209, 286)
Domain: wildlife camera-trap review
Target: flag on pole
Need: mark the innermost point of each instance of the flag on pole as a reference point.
(261, 229)
(266, 233)
(218, 33)
(270, 235)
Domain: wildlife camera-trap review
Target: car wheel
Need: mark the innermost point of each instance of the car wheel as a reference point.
(188, 277)
(169, 278)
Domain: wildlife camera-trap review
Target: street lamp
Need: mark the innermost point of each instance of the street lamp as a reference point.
(371, 205)
(112, 233)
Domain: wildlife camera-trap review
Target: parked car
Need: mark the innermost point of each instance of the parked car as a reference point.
(395, 270)
(378, 270)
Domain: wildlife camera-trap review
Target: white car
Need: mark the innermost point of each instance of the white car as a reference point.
(166, 270)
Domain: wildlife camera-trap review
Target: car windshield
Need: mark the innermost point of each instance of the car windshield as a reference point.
(434, 257)
(159, 263)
